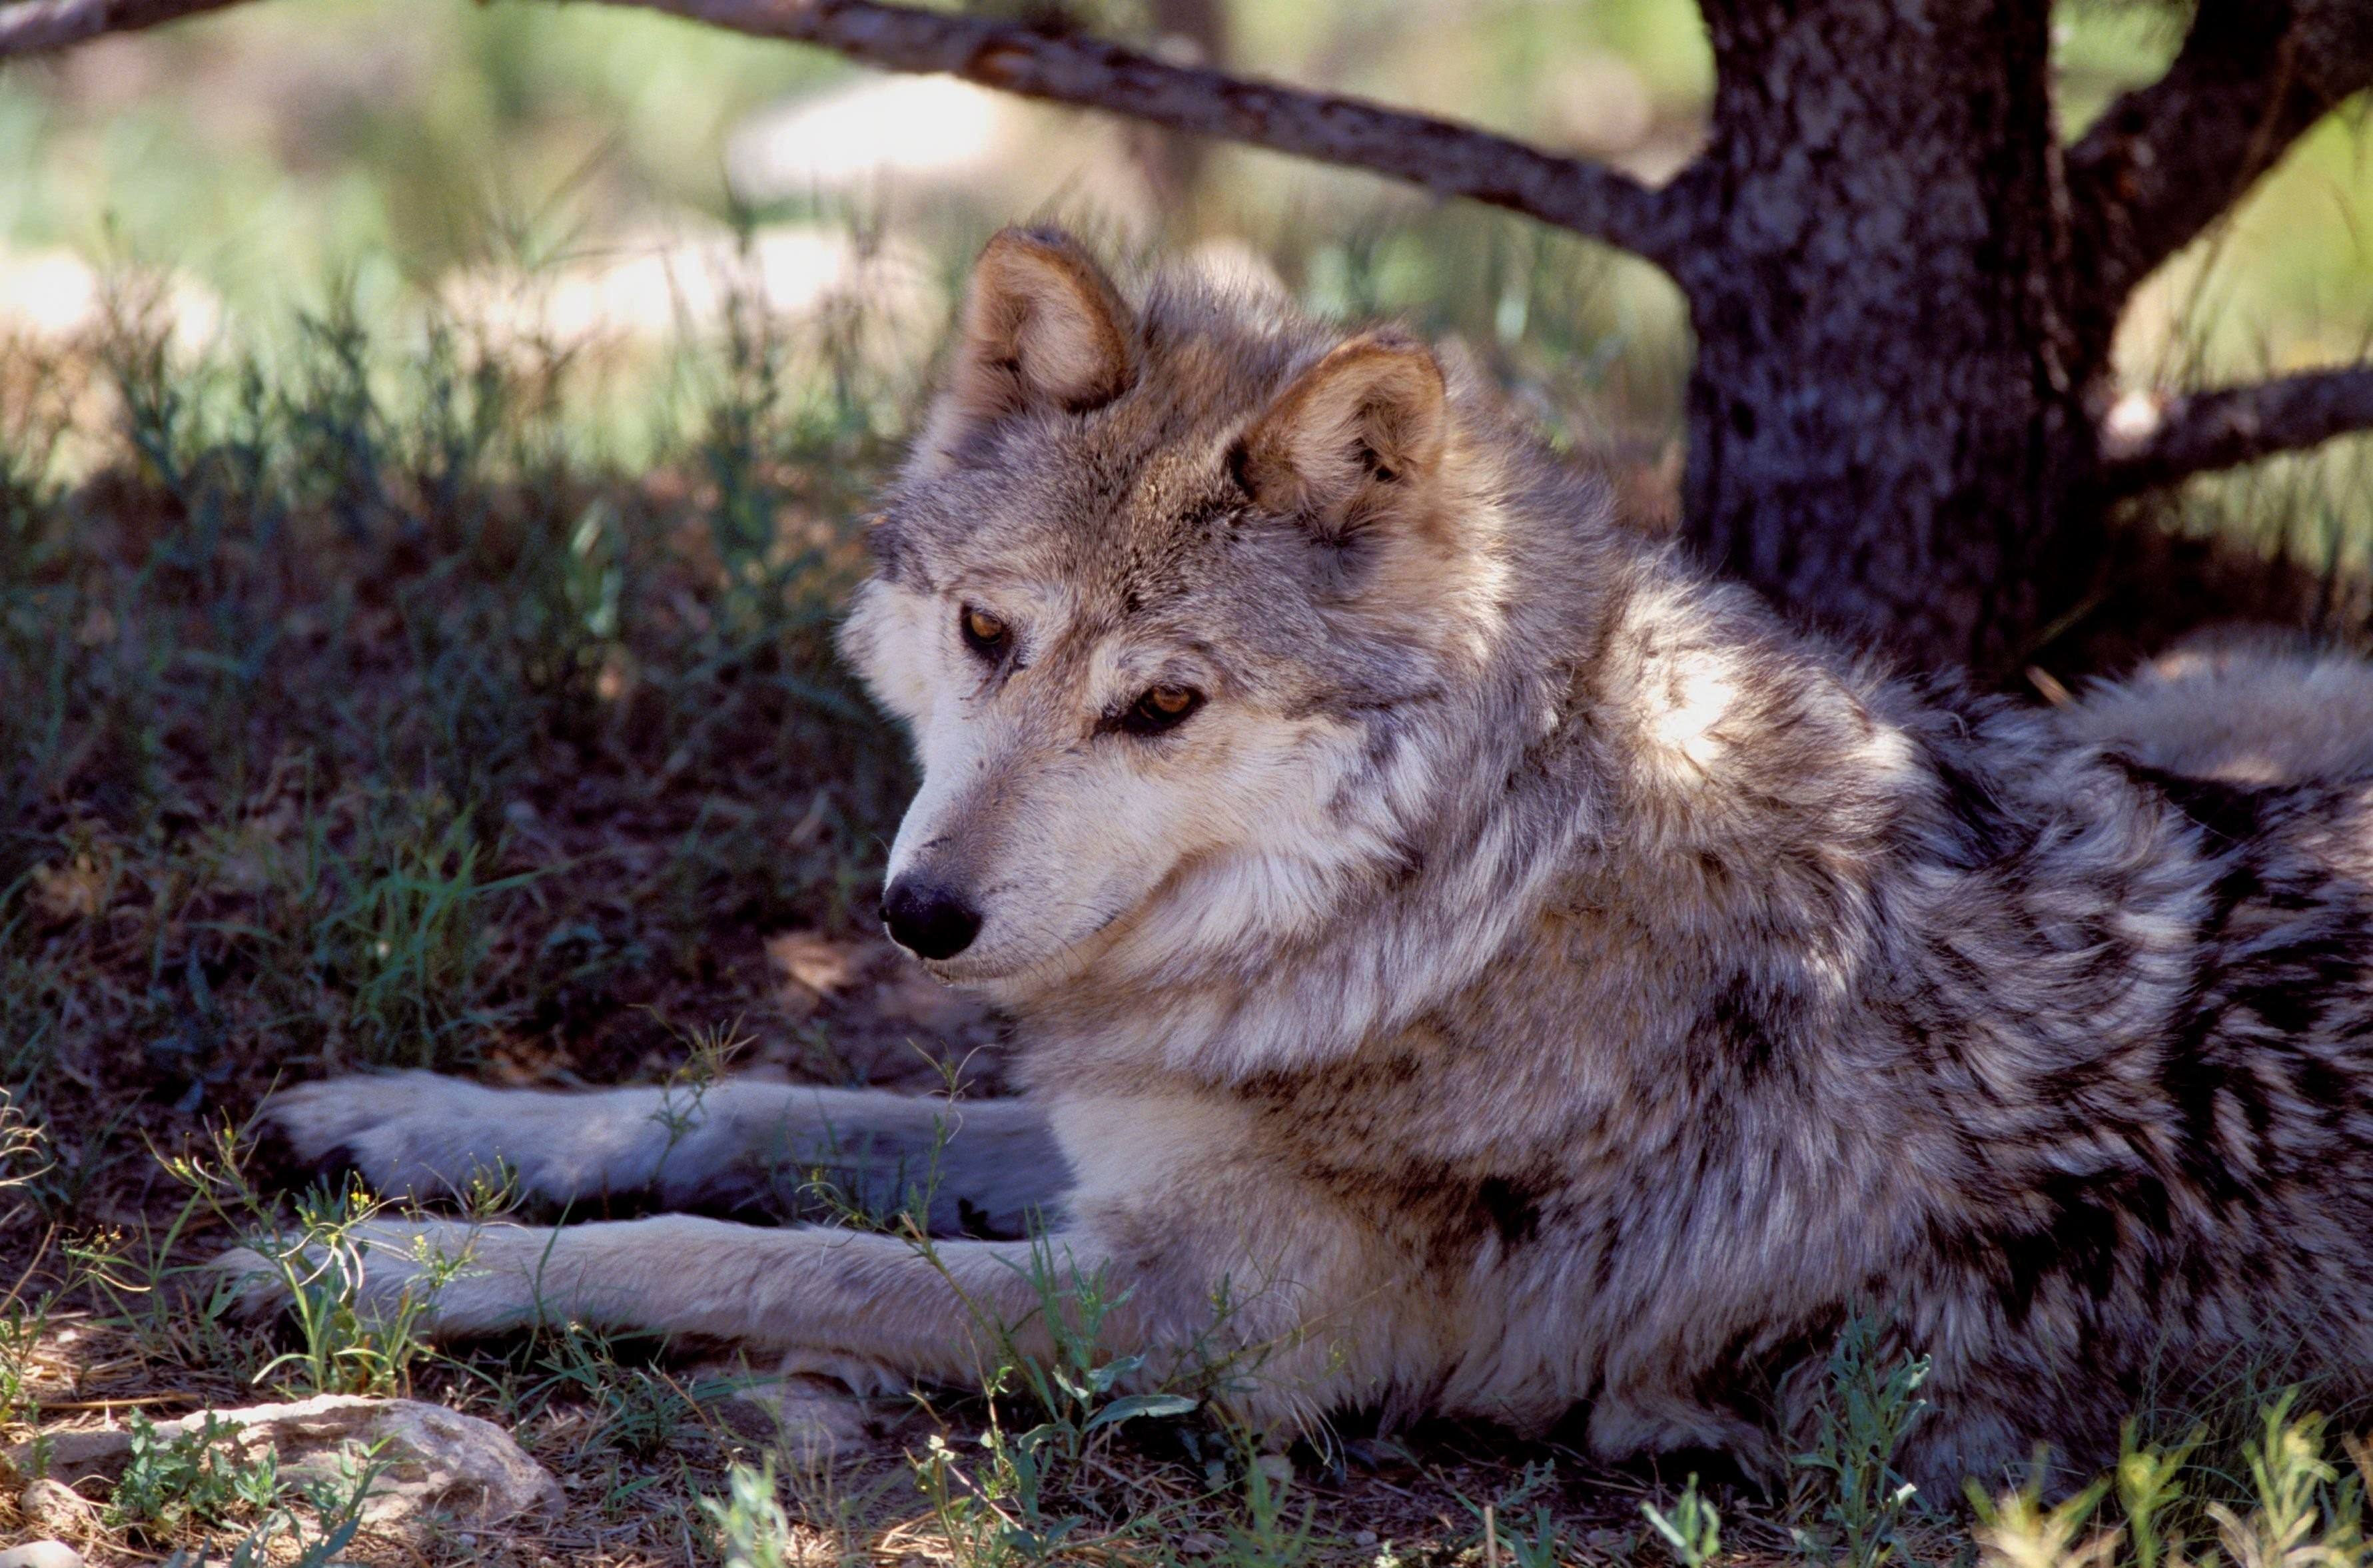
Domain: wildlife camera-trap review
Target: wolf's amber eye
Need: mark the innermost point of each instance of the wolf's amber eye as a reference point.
(983, 633)
(1161, 708)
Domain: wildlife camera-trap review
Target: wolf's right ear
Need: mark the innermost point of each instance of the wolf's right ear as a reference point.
(1042, 328)
(1356, 441)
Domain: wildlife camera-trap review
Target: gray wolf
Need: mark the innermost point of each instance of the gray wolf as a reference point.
(1518, 972)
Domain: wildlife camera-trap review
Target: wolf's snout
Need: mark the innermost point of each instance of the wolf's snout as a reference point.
(928, 919)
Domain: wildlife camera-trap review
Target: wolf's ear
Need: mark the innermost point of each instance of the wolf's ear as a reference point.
(1042, 328)
(1355, 440)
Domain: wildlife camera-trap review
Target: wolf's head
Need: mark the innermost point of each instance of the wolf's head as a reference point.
(1160, 592)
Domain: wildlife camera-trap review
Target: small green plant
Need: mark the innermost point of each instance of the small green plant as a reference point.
(1542, 1546)
(750, 1522)
(316, 1263)
(1076, 1389)
(21, 1158)
(398, 926)
(2018, 1530)
(20, 1332)
(1266, 1537)
(1501, 1541)
(337, 1503)
(971, 1513)
(1693, 1529)
(2299, 1511)
(1003, 1510)
(2305, 1513)
(641, 1410)
(1866, 1408)
(21, 1325)
(709, 1052)
(349, 1349)
(2150, 1481)
(202, 1476)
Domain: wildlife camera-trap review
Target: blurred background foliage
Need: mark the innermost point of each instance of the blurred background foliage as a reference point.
(592, 176)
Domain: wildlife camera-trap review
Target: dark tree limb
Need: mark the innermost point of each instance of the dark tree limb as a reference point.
(38, 27)
(2218, 430)
(2167, 160)
(1447, 158)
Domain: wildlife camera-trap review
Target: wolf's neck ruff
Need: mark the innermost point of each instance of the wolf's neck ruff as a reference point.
(1595, 748)
(1224, 994)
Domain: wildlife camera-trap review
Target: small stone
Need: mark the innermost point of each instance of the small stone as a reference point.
(42, 1554)
(53, 1505)
(1364, 1537)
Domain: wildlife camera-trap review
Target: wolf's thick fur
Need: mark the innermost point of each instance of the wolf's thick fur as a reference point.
(1533, 976)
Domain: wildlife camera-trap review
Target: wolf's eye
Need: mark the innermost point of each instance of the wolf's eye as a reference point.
(983, 633)
(1161, 708)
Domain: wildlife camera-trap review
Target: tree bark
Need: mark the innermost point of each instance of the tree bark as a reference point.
(1904, 304)
(1882, 420)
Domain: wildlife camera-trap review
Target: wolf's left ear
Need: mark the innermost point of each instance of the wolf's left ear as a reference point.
(1355, 440)
(1042, 328)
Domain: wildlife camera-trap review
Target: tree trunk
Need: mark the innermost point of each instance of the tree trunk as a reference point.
(1884, 427)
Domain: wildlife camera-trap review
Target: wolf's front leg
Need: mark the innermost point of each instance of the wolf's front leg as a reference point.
(730, 1147)
(831, 1298)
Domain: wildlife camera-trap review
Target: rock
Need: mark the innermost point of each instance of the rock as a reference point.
(56, 1507)
(73, 1454)
(429, 1458)
(42, 1554)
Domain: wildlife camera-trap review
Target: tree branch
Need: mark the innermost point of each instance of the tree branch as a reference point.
(2167, 159)
(38, 27)
(1447, 158)
(2144, 447)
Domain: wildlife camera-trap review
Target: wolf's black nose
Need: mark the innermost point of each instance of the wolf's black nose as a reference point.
(928, 919)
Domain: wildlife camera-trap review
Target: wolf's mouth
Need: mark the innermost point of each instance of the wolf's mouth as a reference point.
(968, 971)
(973, 967)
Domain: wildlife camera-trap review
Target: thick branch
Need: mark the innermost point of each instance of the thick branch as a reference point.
(1447, 158)
(2217, 429)
(37, 27)
(2167, 159)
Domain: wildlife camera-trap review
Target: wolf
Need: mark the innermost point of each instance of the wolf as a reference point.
(1468, 960)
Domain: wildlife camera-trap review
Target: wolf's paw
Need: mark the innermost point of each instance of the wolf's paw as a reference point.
(415, 1134)
(820, 1408)
(382, 1265)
